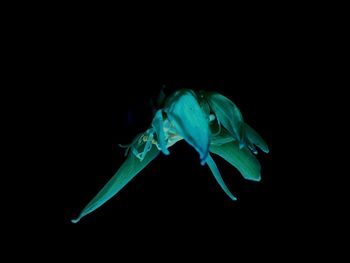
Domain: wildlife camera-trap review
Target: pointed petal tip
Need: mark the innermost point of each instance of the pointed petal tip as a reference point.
(256, 179)
(217, 175)
(233, 198)
(74, 221)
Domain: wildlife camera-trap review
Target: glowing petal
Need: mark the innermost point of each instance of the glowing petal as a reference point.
(189, 121)
(242, 159)
(159, 128)
(228, 114)
(255, 138)
(217, 175)
(131, 167)
(204, 105)
(221, 137)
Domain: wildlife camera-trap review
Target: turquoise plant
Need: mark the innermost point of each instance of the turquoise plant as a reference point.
(209, 122)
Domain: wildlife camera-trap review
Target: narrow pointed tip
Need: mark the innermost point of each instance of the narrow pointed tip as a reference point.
(233, 198)
(74, 221)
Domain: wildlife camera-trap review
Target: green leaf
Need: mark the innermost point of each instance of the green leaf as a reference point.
(217, 175)
(242, 159)
(131, 167)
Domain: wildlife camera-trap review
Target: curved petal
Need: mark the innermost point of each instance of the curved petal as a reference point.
(158, 126)
(227, 113)
(242, 159)
(221, 137)
(189, 121)
(204, 104)
(131, 167)
(217, 175)
(255, 138)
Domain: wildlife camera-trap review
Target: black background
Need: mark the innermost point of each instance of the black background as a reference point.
(175, 195)
(105, 76)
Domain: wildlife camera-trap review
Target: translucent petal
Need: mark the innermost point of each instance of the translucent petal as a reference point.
(227, 113)
(189, 121)
(217, 175)
(131, 167)
(242, 159)
(158, 126)
(255, 138)
(204, 106)
(221, 137)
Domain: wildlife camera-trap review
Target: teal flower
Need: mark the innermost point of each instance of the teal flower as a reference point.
(209, 122)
